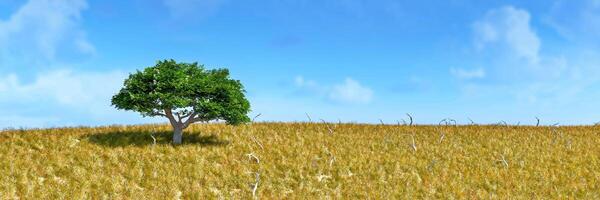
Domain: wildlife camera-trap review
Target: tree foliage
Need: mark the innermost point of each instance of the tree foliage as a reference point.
(185, 93)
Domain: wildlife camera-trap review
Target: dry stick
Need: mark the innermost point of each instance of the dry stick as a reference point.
(255, 187)
(472, 122)
(503, 160)
(381, 121)
(153, 139)
(332, 159)
(256, 117)
(538, 121)
(251, 156)
(442, 136)
(503, 122)
(257, 142)
(322, 177)
(309, 119)
(452, 120)
(443, 120)
(410, 118)
(414, 145)
(328, 127)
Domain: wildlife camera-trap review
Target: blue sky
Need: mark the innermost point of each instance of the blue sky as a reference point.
(348, 60)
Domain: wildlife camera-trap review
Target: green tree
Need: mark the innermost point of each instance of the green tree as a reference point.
(185, 93)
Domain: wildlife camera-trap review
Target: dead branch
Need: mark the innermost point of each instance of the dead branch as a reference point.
(256, 117)
(328, 127)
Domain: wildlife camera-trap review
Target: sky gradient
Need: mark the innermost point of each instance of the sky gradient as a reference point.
(348, 60)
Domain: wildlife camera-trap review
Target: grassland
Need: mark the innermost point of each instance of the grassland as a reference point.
(301, 161)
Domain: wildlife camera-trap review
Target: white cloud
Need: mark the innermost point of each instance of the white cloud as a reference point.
(349, 91)
(40, 29)
(196, 8)
(47, 34)
(576, 20)
(311, 85)
(468, 74)
(509, 26)
(535, 78)
(63, 97)
(86, 90)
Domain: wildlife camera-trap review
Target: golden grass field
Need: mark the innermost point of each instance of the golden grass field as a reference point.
(302, 161)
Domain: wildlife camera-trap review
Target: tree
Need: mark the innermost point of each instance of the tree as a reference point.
(185, 93)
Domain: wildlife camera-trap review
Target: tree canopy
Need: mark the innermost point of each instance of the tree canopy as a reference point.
(185, 93)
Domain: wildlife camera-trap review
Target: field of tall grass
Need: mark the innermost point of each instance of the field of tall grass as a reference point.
(301, 161)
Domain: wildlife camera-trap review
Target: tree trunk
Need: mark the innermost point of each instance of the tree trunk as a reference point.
(177, 135)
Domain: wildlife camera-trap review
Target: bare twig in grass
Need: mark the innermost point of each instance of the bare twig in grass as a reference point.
(331, 157)
(452, 121)
(403, 122)
(331, 160)
(538, 121)
(323, 177)
(503, 161)
(252, 156)
(398, 122)
(410, 118)
(255, 186)
(502, 122)
(257, 142)
(381, 121)
(328, 127)
(518, 123)
(253, 119)
(443, 121)
(555, 124)
(472, 122)
(153, 139)
(448, 121)
(442, 136)
(414, 144)
(309, 119)
(569, 144)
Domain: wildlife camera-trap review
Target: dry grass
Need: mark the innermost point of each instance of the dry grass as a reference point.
(301, 161)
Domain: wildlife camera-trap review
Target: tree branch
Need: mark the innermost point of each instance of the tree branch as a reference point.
(187, 115)
(178, 116)
(159, 114)
(192, 119)
(169, 115)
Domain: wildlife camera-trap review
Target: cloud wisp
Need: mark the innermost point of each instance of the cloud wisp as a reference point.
(43, 31)
(349, 91)
(510, 27)
(39, 88)
(466, 74)
(516, 65)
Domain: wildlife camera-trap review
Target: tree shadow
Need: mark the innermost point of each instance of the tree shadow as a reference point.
(146, 138)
